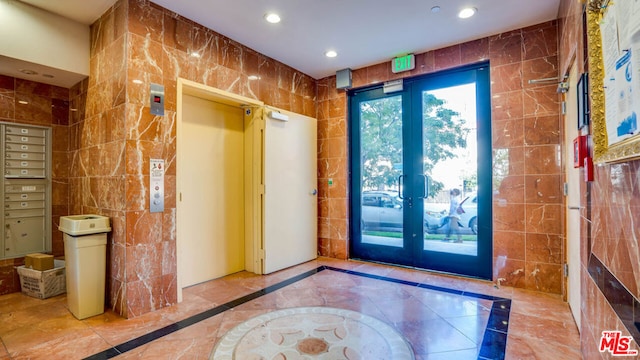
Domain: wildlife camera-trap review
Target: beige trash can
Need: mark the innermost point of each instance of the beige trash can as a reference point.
(85, 244)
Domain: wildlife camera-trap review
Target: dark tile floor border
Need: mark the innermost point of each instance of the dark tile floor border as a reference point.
(494, 342)
(624, 304)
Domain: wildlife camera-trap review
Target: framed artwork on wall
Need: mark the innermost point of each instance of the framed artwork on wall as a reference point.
(613, 47)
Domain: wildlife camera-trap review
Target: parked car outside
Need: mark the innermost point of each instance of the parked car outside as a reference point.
(433, 215)
(469, 219)
(382, 211)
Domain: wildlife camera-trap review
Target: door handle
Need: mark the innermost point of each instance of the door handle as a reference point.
(574, 207)
(426, 187)
(400, 187)
(314, 192)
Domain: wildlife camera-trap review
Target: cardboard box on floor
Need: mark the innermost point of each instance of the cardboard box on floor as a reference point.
(37, 261)
(43, 284)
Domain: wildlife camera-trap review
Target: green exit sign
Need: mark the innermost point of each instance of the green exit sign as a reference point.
(403, 63)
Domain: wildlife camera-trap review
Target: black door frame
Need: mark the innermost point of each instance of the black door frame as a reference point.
(412, 254)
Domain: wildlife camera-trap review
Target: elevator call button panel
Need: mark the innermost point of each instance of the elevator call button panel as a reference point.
(156, 185)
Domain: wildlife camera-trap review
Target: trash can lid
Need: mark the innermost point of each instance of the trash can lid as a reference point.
(84, 224)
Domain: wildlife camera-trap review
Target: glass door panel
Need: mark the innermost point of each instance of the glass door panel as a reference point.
(381, 163)
(454, 111)
(378, 206)
(450, 160)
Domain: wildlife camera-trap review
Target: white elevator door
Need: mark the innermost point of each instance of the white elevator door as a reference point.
(211, 216)
(290, 210)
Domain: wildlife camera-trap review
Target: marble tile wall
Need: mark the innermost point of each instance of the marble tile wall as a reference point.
(610, 256)
(48, 105)
(97, 144)
(134, 44)
(528, 245)
(615, 205)
(610, 294)
(571, 34)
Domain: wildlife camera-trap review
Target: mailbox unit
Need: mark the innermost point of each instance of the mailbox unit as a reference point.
(26, 189)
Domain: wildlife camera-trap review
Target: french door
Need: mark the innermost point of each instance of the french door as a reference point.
(421, 173)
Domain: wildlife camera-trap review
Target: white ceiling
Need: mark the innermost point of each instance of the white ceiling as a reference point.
(363, 32)
(82, 11)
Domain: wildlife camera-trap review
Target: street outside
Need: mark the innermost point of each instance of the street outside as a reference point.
(465, 248)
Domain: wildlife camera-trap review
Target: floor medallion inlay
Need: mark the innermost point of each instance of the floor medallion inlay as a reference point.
(312, 333)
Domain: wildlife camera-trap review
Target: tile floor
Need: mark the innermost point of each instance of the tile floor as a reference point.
(442, 317)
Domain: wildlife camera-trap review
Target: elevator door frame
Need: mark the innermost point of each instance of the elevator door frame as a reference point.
(253, 231)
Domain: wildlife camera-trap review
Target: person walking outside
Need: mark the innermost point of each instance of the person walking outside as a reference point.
(454, 216)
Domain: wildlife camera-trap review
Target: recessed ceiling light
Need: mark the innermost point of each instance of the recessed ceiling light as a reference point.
(195, 54)
(137, 81)
(467, 12)
(23, 102)
(253, 77)
(272, 18)
(331, 54)
(435, 9)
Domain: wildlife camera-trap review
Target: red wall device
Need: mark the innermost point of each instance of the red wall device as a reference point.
(579, 151)
(588, 169)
